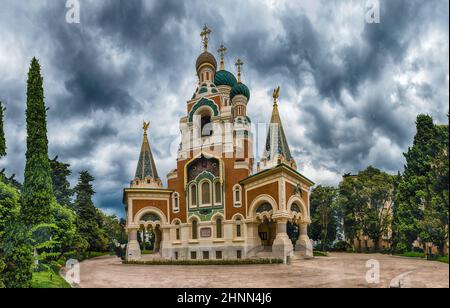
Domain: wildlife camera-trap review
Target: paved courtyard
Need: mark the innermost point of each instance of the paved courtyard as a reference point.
(337, 270)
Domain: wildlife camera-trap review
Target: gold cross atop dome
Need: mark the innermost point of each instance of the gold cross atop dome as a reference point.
(239, 65)
(222, 50)
(145, 127)
(276, 95)
(205, 36)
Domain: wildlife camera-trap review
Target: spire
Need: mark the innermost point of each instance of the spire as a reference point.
(205, 37)
(222, 50)
(239, 65)
(146, 168)
(276, 150)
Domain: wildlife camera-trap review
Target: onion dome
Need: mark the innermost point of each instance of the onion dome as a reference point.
(240, 89)
(225, 78)
(206, 58)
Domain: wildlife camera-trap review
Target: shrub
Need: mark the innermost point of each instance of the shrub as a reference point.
(206, 262)
(342, 246)
(317, 253)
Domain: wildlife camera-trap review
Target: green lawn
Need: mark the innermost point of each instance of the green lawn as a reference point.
(48, 279)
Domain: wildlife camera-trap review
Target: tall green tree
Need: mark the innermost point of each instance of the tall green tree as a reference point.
(415, 192)
(89, 220)
(2, 132)
(377, 191)
(352, 205)
(61, 185)
(324, 217)
(37, 191)
(434, 226)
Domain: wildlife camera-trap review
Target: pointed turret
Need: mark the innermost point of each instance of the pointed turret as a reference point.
(276, 150)
(146, 173)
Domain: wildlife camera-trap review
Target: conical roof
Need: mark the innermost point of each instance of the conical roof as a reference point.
(146, 167)
(277, 147)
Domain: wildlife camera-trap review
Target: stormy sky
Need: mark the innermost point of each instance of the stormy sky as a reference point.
(350, 90)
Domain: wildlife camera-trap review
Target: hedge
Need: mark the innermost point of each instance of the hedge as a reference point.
(205, 262)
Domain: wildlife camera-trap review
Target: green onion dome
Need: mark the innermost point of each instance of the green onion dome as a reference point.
(240, 89)
(206, 58)
(225, 78)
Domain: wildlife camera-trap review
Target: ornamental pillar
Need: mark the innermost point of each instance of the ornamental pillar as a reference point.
(282, 245)
(303, 245)
(133, 249)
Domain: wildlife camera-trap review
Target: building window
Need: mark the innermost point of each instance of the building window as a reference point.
(206, 126)
(237, 196)
(193, 255)
(194, 230)
(217, 193)
(206, 193)
(176, 203)
(238, 227)
(239, 254)
(219, 228)
(193, 195)
(206, 255)
(219, 255)
(176, 255)
(177, 232)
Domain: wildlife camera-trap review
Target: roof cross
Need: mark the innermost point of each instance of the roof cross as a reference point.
(205, 36)
(222, 50)
(239, 65)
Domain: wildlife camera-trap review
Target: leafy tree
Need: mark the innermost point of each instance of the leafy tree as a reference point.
(88, 217)
(414, 212)
(377, 192)
(61, 186)
(18, 256)
(10, 180)
(2, 133)
(434, 226)
(351, 208)
(323, 215)
(37, 192)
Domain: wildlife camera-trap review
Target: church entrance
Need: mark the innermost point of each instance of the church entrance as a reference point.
(293, 232)
(149, 239)
(267, 231)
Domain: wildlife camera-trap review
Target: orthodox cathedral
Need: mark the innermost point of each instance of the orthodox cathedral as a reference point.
(215, 206)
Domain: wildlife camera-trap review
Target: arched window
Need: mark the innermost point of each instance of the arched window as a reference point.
(219, 228)
(206, 126)
(206, 193)
(193, 195)
(237, 196)
(217, 193)
(176, 203)
(238, 227)
(194, 230)
(177, 231)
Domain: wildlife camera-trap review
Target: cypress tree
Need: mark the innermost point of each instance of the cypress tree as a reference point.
(415, 189)
(61, 186)
(37, 187)
(88, 217)
(2, 133)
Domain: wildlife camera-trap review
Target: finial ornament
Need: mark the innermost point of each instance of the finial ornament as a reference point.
(205, 37)
(276, 95)
(145, 127)
(222, 50)
(239, 65)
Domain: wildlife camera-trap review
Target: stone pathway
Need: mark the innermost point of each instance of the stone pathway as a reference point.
(337, 270)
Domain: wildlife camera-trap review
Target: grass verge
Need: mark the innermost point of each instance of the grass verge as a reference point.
(48, 278)
(317, 253)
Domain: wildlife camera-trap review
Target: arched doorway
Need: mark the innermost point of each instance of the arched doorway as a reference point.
(267, 231)
(150, 235)
(267, 228)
